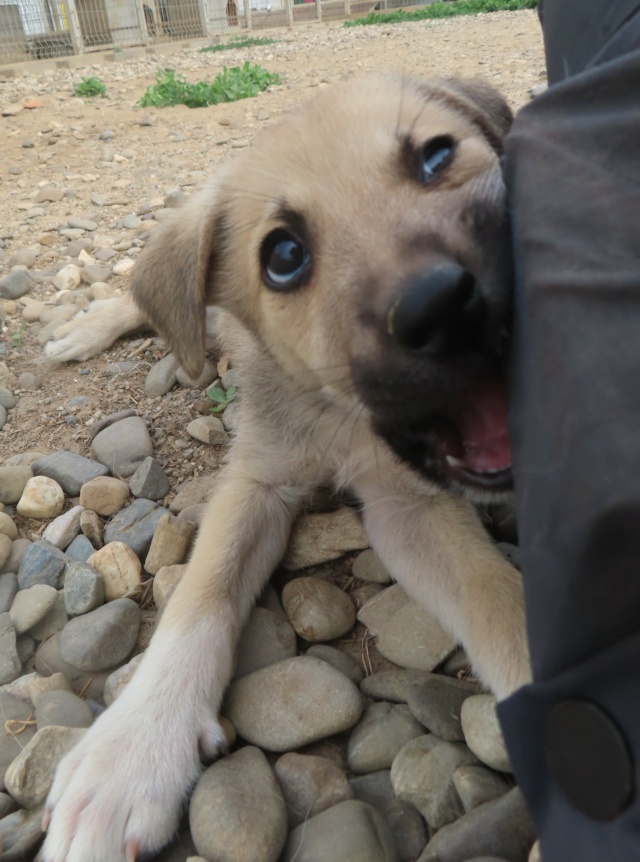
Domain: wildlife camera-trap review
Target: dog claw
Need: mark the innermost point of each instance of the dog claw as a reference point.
(46, 818)
(131, 850)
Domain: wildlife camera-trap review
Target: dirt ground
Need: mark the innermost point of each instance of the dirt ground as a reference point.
(175, 148)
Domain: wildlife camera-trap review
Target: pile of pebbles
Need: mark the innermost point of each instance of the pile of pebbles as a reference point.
(356, 731)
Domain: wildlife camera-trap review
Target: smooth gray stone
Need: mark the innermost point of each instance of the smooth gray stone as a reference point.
(150, 481)
(437, 703)
(123, 446)
(42, 563)
(8, 590)
(69, 470)
(80, 549)
(16, 284)
(135, 525)
(101, 639)
(83, 589)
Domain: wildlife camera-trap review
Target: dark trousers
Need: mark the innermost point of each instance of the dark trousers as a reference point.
(572, 165)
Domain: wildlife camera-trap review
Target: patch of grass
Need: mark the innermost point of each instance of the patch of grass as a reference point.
(443, 9)
(237, 43)
(221, 398)
(88, 88)
(240, 82)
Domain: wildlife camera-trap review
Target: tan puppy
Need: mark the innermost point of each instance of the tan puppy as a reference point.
(359, 254)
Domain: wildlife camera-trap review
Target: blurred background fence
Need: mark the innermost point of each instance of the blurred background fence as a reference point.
(40, 29)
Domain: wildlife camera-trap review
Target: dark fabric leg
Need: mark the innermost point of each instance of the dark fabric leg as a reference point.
(572, 165)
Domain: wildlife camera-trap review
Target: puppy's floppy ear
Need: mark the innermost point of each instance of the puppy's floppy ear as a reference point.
(479, 101)
(173, 280)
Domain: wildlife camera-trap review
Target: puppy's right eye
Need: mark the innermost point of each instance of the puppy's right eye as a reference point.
(286, 261)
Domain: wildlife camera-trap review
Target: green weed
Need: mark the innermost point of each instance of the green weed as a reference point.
(88, 88)
(443, 9)
(237, 43)
(220, 397)
(240, 82)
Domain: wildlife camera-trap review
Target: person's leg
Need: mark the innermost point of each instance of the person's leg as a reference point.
(572, 165)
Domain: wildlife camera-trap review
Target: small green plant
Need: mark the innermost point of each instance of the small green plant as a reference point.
(221, 398)
(236, 43)
(89, 88)
(443, 9)
(240, 82)
(16, 337)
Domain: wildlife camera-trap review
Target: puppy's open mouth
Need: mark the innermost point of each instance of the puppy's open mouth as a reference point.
(472, 443)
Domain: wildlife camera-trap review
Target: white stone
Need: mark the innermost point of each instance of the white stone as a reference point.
(42, 498)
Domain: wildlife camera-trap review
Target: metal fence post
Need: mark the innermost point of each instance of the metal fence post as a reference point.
(288, 6)
(319, 10)
(75, 32)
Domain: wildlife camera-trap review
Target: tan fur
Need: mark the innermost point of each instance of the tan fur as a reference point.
(300, 426)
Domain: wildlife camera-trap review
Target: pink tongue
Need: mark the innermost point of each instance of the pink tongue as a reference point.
(485, 435)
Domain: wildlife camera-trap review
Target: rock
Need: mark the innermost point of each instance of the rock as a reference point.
(103, 638)
(82, 224)
(49, 661)
(165, 582)
(391, 685)
(80, 549)
(68, 278)
(135, 525)
(30, 776)
(192, 494)
(16, 732)
(170, 544)
(368, 567)
(44, 684)
(208, 429)
(7, 399)
(20, 834)
(406, 825)
(237, 812)
(310, 785)
(49, 193)
(7, 806)
(16, 284)
(24, 257)
(319, 538)
(6, 546)
(123, 446)
(339, 660)
(92, 527)
(7, 527)
(8, 590)
(205, 378)
(265, 640)
(476, 785)
(123, 267)
(317, 609)
(150, 481)
(351, 830)
(422, 774)
(62, 709)
(292, 703)
(382, 732)
(63, 530)
(42, 563)
(12, 483)
(30, 606)
(406, 634)
(29, 381)
(18, 550)
(502, 829)
(119, 568)
(437, 703)
(83, 589)
(55, 620)
(482, 732)
(161, 377)
(120, 678)
(41, 498)
(69, 470)
(104, 495)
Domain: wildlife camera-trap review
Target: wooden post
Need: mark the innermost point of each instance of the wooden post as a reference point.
(288, 6)
(75, 32)
(319, 10)
(347, 8)
(247, 15)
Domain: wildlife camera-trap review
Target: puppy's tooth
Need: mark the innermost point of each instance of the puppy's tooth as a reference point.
(454, 462)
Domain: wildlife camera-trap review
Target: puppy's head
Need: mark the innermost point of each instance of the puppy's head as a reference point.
(364, 242)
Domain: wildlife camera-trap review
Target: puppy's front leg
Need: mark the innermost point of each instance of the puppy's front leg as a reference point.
(120, 791)
(436, 547)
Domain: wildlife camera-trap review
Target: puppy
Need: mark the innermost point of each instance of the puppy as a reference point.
(359, 256)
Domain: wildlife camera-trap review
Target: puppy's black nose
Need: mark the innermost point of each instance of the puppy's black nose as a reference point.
(437, 311)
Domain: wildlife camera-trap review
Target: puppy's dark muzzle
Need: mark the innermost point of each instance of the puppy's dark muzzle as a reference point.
(439, 313)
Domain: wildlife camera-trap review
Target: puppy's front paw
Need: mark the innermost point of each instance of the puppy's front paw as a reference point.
(87, 334)
(119, 793)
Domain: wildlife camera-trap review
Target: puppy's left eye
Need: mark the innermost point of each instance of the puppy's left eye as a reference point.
(285, 259)
(436, 156)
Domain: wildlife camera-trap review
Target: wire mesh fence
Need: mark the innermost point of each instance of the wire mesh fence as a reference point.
(41, 29)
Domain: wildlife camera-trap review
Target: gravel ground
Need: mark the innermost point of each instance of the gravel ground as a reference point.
(97, 505)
